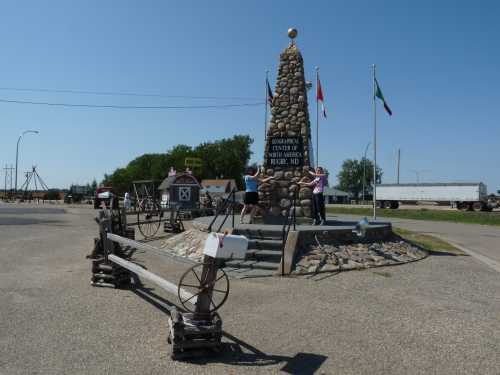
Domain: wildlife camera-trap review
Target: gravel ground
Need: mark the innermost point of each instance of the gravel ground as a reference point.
(436, 316)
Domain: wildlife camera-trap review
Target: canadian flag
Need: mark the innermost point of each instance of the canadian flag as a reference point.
(319, 97)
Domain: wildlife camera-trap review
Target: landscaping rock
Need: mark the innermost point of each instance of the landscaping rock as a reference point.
(357, 256)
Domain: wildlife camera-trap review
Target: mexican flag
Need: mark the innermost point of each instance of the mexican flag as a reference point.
(378, 94)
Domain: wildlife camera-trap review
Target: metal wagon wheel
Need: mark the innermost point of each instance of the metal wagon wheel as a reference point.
(149, 217)
(192, 282)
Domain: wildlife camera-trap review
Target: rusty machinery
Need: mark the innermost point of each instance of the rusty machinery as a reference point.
(202, 289)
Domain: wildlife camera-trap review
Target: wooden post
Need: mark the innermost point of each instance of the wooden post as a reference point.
(208, 276)
(104, 229)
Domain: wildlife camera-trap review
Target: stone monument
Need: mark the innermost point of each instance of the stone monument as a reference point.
(288, 154)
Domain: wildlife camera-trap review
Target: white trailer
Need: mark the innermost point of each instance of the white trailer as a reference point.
(464, 196)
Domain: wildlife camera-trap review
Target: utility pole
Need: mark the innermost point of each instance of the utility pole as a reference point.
(317, 118)
(266, 105)
(374, 146)
(399, 161)
(8, 179)
(364, 169)
(5, 185)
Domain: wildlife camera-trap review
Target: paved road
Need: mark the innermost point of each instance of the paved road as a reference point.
(483, 240)
(401, 206)
(436, 316)
(404, 207)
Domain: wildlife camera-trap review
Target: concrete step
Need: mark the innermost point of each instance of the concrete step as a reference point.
(259, 244)
(252, 264)
(259, 234)
(265, 255)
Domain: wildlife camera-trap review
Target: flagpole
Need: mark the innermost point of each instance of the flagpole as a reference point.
(374, 147)
(266, 104)
(317, 118)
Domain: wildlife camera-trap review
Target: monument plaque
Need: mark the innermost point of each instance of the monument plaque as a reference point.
(285, 152)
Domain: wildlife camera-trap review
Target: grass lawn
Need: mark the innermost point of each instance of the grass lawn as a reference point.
(428, 242)
(484, 218)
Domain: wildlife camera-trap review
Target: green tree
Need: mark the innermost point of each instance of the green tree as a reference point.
(350, 176)
(90, 188)
(93, 186)
(225, 158)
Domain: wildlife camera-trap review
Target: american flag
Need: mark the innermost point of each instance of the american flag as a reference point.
(269, 93)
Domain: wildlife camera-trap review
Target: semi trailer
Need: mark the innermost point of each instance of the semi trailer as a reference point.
(463, 196)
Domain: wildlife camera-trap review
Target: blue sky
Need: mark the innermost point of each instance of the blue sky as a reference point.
(437, 64)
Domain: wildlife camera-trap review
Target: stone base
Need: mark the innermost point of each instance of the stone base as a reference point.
(277, 196)
(332, 247)
(328, 257)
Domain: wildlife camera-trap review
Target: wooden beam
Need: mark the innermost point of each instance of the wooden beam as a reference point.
(162, 283)
(128, 242)
(145, 247)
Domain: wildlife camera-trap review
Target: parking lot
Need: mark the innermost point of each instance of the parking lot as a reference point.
(439, 315)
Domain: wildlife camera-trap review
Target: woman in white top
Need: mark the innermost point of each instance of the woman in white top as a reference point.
(318, 201)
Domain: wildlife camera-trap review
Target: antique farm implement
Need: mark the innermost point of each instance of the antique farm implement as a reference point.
(147, 207)
(202, 289)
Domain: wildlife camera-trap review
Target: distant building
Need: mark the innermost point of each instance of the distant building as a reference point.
(218, 186)
(333, 195)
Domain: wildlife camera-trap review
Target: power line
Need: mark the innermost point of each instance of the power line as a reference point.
(113, 106)
(117, 93)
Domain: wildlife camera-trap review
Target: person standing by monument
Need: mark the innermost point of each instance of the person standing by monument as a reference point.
(318, 185)
(251, 199)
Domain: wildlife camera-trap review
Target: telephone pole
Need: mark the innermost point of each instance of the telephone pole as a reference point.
(7, 179)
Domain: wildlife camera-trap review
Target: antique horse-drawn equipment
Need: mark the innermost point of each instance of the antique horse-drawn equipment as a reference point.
(202, 289)
(147, 207)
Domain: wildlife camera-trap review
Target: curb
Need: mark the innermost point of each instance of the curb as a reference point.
(483, 259)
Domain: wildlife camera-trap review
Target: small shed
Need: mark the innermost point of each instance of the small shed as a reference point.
(182, 190)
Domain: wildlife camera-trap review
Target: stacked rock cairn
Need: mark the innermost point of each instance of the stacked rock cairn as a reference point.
(290, 117)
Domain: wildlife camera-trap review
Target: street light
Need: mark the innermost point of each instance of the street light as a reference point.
(364, 169)
(17, 150)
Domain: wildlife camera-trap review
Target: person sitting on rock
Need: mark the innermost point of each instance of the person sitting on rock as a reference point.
(318, 185)
(251, 199)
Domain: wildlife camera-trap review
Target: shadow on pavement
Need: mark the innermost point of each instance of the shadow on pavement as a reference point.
(240, 353)
(444, 253)
(237, 352)
(31, 210)
(26, 221)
